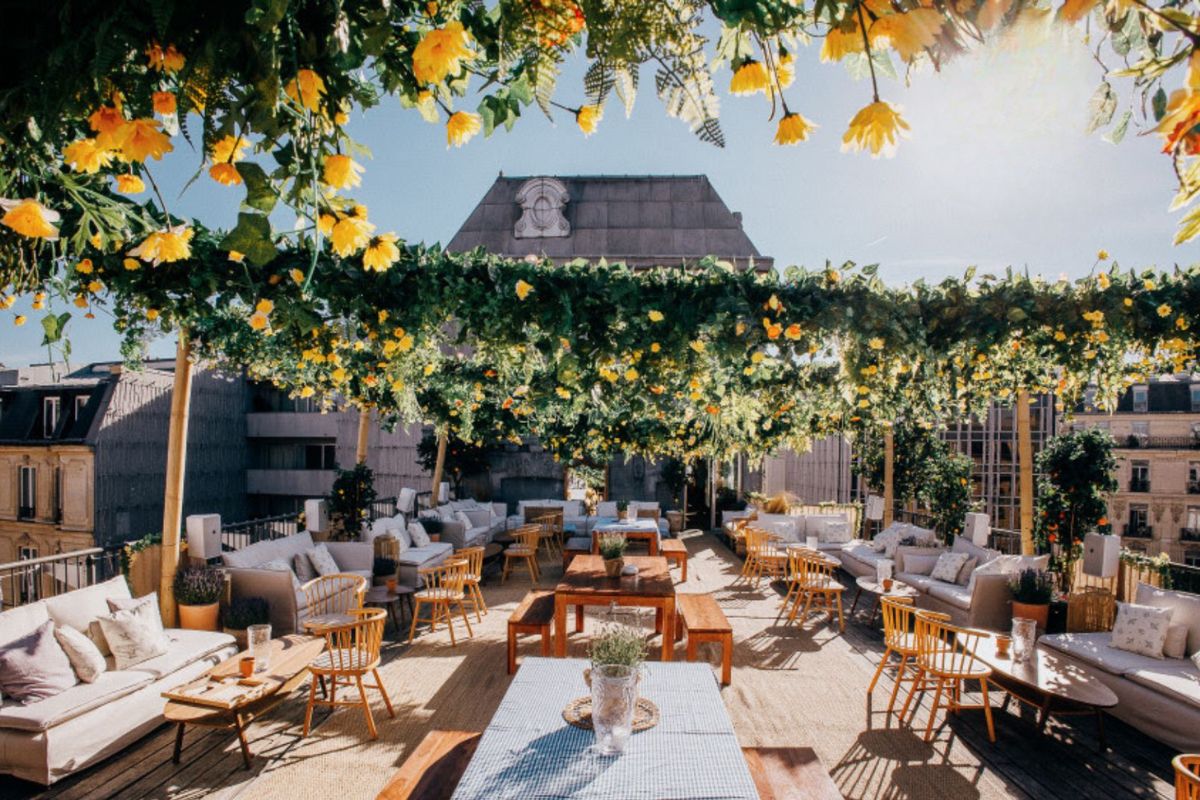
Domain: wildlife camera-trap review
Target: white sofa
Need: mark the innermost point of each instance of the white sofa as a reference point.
(52, 738)
(487, 520)
(1158, 696)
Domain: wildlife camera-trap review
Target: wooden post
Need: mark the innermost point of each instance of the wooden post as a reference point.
(177, 435)
(566, 482)
(712, 494)
(438, 467)
(607, 468)
(364, 432)
(1025, 474)
(889, 461)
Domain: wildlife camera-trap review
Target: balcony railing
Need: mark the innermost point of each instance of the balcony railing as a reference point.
(1138, 442)
(1189, 534)
(382, 508)
(237, 535)
(1136, 531)
(34, 579)
(26, 512)
(1193, 487)
(1139, 484)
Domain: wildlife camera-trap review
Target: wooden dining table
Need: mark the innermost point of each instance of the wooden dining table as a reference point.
(585, 584)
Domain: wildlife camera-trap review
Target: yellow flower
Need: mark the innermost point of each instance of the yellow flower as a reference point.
(86, 155)
(440, 53)
(131, 264)
(307, 391)
(228, 148)
(655, 347)
(749, 78)
(697, 345)
(523, 289)
(236, 257)
(1148, 284)
(307, 89)
(225, 174)
(29, 218)
(563, 393)
(875, 344)
(259, 321)
(130, 184)
(461, 126)
(785, 70)
(910, 32)
(166, 246)
(264, 307)
(793, 331)
(81, 301)
(325, 223)
(1164, 310)
(588, 117)
(656, 316)
(151, 314)
(757, 358)
(141, 139)
(1128, 302)
(631, 374)
(350, 235)
(840, 43)
(84, 267)
(1103, 280)
(405, 344)
(876, 128)
(793, 129)
(296, 275)
(381, 253)
(342, 172)
(107, 122)
(19, 320)
(169, 60)
(864, 403)
(164, 103)
(1102, 254)
(1059, 336)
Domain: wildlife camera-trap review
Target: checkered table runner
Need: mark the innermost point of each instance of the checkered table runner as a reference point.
(529, 752)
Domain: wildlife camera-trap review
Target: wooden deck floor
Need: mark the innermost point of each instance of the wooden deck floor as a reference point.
(880, 761)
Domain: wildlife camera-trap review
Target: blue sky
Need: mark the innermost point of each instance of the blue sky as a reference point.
(998, 171)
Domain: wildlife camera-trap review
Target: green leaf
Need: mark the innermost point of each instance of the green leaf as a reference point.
(252, 238)
(260, 193)
(53, 327)
(1159, 103)
(1102, 106)
(266, 14)
(1118, 133)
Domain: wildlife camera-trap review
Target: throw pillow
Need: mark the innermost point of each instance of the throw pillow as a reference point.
(322, 560)
(279, 565)
(1141, 629)
(416, 532)
(96, 634)
(82, 652)
(920, 565)
(968, 568)
(464, 520)
(146, 606)
(35, 667)
(947, 567)
(1175, 645)
(887, 542)
(135, 634)
(303, 567)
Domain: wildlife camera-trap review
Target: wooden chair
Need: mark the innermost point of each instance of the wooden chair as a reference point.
(945, 659)
(1187, 776)
(533, 616)
(763, 555)
(898, 639)
(351, 652)
(432, 771)
(333, 596)
(443, 590)
(676, 552)
(704, 621)
(794, 577)
(550, 531)
(471, 581)
(816, 581)
(524, 549)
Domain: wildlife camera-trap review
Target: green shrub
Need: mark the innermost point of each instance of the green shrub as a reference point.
(1032, 587)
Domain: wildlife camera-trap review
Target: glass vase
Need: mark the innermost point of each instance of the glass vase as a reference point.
(258, 640)
(614, 700)
(1024, 639)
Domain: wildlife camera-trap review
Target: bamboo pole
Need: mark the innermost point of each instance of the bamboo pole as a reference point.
(1025, 474)
(566, 482)
(889, 462)
(177, 435)
(364, 433)
(439, 467)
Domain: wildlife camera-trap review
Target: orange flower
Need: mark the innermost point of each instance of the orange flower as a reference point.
(164, 103)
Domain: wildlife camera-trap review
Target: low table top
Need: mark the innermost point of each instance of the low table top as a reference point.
(899, 588)
(381, 594)
(1050, 673)
(586, 575)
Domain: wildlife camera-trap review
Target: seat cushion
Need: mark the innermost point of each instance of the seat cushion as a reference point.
(183, 647)
(862, 552)
(1176, 678)
(951, 593)
(1185, 609)
(420, 555)
(78, 699)
(915, 580)
(964, 545)
(1094, 649)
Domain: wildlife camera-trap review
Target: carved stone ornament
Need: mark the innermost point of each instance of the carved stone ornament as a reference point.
(1118, 508)
(542, 201)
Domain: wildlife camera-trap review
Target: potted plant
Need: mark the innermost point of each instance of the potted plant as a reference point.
(612, 550)
(1032, 590)
(617, 653)
(384, 571)
(198, 592)
(244, 612)
(622, 508)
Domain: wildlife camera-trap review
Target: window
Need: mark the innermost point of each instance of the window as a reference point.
(1193, 481)
(1191, 558)
(1193, 518)
(1139, 522)
(319, 456)
(1139, 476)
(81, 400)
(1141, 399)
(57, 499)
(1089, 398)
(50, 409)
(27, 504)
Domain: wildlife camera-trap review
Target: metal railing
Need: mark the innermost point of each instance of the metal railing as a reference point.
(1189, 534)
(1139, 485)
(33, 579)
(382, 508)
(1006, 541)
(236, 535)
(1185, 578)
(1136, 442)
(1193, 487)
(1133, 531)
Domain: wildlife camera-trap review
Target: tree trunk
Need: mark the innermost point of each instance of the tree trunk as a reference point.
(439, 467)
(889, 460)
(1025, 471)
(177, 435)
(364, 432)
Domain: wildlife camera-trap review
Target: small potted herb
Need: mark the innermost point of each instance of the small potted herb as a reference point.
(1032, 590)
(244, 612)
(198, 592)
(622, 509)
(612, 550)
(617, 653)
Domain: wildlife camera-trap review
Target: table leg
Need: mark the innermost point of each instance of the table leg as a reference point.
(1043, 714)
(854, 604)
(658, 620)
(1100, 730)
(654, 545)
(579, 619)
(241, 732)
(178, 744)
(560, 626)
(668, 624)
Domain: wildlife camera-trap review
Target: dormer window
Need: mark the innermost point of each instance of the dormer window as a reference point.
(51, 406)
(81, 401)
(1141, 399)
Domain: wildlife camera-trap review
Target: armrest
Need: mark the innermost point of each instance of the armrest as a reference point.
(274, 586)
(455, 533)
(991, 602)
(500, 509)
(352, 555)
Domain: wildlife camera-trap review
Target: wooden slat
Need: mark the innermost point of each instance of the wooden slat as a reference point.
(434, 768)
(781, 773)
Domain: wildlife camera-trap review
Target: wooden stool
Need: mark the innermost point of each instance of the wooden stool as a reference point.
(534, 615)
(704, 621)
(676, 552)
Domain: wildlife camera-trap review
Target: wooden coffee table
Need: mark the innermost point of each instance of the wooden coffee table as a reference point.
(288, 668)
(875, 589)
(1050, 682)
(382, 597)
(585, 584)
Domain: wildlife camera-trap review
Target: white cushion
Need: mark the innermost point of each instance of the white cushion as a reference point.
(951, 593)
(968, 568)
(1185, 608)
(606, 508)
(1196, 659)
(1008, 565)
(947, 567)
(86, 658)
(886, 542)
(417, 534)
(829, 529)
(1141, 629)
(445, 513)
(261, 552)
(135, 634)
(964, 545)
(920, 564)
(280, 565)
(464, 519)
(22, 620)
(322, 561)
(184, 647)
(79, 699)
(1178, 680)
(1175, 645)
(77, 609)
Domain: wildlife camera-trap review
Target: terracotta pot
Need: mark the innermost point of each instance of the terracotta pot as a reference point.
(613, 567)
(1039, 613)
(199, 618)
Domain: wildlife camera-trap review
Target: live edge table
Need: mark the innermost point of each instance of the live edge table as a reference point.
(585, 584)
(528, 751)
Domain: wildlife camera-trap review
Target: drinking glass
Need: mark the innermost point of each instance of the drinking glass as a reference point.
(1024, 639)
(258, 638)
(614, 699)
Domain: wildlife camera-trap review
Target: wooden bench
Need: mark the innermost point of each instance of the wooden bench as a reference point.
(704, 621)
(535, 615)
(676, 552)
(789, 772)
(433, 770)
